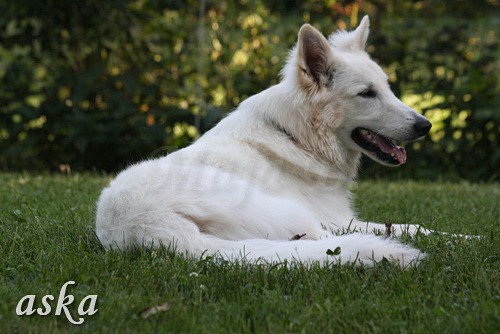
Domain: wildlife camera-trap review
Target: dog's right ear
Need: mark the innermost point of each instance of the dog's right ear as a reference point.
(314, 57)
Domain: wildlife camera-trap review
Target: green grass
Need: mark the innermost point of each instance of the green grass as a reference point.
(47, 238)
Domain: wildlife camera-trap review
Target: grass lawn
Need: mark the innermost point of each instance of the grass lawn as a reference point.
(47, 238)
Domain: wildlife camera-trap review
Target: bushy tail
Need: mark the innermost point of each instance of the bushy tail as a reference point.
(356, 247)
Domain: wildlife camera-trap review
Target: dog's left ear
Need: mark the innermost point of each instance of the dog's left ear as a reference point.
(361, 33)
(314, 57)
(354, 40)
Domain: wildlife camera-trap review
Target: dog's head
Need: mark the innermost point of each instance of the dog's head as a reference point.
(348, 95)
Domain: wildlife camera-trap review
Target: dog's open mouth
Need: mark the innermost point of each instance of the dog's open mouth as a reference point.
(380, 147)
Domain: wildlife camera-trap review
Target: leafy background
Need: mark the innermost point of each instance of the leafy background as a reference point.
(97, 85)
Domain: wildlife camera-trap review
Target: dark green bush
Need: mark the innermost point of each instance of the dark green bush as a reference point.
(98, 85)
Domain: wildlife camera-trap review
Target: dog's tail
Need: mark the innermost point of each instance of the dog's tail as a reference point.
(350, 248)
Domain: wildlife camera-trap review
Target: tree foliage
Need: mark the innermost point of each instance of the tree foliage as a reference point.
(98, 85)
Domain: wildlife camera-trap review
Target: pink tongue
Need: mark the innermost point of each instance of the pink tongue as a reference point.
(401, 155)
(388, 148)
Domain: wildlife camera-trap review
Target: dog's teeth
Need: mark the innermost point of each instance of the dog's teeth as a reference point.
(366, 134)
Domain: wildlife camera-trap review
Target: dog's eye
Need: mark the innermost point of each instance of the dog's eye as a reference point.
(368, 93)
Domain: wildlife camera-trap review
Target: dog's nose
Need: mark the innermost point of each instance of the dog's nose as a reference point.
(422, 126)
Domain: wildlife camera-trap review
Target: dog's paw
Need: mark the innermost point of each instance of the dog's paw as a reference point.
(456, 235)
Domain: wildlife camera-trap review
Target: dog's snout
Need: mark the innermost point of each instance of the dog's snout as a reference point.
(422, 127)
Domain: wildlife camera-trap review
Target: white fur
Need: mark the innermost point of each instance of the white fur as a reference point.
(245, 188)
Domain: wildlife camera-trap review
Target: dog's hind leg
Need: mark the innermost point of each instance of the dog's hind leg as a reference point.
(181, 232)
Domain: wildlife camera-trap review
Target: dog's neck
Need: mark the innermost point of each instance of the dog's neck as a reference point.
(276, 106)
(282, 129)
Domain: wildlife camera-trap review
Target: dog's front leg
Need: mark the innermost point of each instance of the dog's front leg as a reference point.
(384, 229)
(397, 230)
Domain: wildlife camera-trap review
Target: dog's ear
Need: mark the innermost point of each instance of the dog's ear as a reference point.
(354, 40)
(314, 57)
(361, 33)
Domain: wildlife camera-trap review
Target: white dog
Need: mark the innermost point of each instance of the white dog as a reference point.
(271, 181)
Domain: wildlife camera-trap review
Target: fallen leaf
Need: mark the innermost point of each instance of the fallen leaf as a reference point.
(147, 312)
(298, 236)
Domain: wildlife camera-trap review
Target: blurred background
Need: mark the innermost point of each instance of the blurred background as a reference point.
(97, 85)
